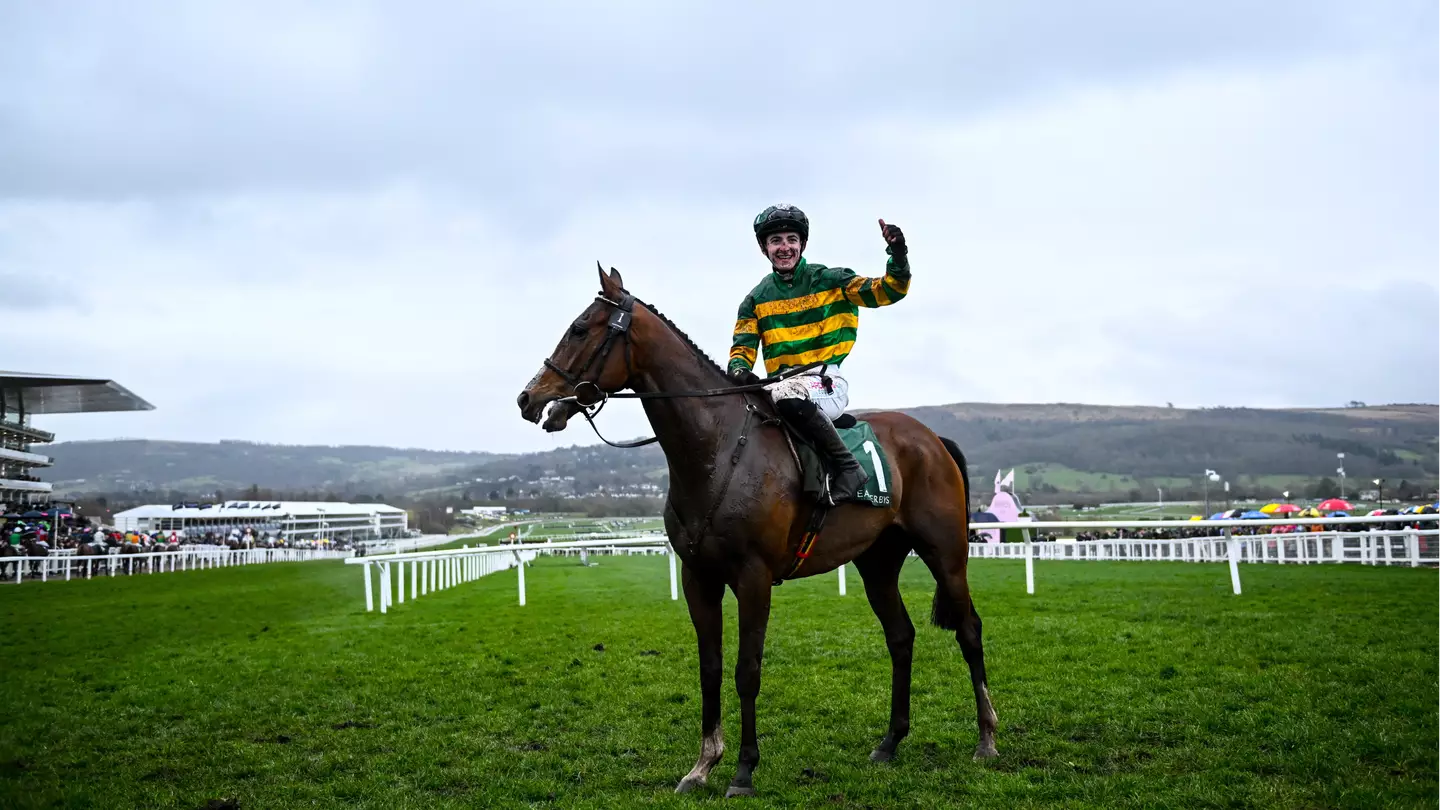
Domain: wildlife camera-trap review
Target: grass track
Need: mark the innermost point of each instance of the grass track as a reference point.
(1118, 685)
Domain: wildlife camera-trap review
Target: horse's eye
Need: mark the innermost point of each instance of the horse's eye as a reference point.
(578, 330)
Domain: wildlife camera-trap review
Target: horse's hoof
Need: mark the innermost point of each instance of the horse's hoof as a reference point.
(986, 752)
(735, 792)
(881, 755)
(687, 784)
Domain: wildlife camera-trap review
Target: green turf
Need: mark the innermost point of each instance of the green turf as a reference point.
(1117, 685)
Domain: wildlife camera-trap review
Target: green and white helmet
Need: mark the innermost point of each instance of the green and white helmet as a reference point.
(782, 218)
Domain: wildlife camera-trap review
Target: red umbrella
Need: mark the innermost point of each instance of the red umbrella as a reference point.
(1285, 509)
(1335, 505)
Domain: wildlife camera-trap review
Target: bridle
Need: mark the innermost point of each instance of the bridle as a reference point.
(617, 329)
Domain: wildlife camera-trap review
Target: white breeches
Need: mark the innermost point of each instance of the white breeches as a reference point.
(809, 386)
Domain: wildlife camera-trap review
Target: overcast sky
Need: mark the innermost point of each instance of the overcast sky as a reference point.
(353, 222)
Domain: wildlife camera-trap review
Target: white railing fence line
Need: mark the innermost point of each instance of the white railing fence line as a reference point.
(1248, 548)
(436, 570)
(188, 558)
(429, 571)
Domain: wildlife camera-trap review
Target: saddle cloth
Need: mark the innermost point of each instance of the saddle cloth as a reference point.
(859, 437)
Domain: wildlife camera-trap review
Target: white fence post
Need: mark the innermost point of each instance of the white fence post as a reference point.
(369, 597)
(520, 566)
(1234, 550)
(1029, 566)
(674, 585)
(841, 572)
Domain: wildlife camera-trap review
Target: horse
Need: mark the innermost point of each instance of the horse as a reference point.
(8, 569)
(95, 547)
(735, 515)
(34, 549)
(126, 549)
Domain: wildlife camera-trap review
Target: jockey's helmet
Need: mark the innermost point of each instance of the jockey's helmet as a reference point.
(781, 218)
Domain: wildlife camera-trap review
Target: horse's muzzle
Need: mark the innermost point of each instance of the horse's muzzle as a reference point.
(531, 407)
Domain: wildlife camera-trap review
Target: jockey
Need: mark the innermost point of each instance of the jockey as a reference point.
(803, 313)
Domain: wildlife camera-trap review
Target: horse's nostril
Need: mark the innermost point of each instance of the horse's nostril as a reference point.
(522, 400)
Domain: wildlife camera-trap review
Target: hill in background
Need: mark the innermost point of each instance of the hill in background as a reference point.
(1059, 451)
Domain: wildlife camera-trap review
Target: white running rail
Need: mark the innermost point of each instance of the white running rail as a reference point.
(64, 563)
(1344, 546)
(385, 576)
(428, 571)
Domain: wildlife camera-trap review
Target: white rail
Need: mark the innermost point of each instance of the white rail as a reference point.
(385, 575)
(153, 562)
(1234, 546)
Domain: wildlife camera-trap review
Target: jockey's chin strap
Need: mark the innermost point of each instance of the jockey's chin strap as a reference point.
(590, 398)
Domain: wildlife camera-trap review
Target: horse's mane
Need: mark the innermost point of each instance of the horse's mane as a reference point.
(699, 352)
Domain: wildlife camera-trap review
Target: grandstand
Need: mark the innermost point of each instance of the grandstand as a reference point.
(296, 520)
(24, 395)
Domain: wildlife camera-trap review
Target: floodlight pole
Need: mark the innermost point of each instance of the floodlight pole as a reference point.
(1341, 471)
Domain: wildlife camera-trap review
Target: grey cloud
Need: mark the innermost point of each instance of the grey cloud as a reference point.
(361, 225)
(282, 97)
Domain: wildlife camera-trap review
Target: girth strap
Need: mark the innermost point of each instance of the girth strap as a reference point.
(807, 540)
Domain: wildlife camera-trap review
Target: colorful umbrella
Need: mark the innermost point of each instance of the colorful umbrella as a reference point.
(1286, 509)
(1196, 517)
(1334, 505)
(1269, 508)
(1254, 515)
(1379, 512)
(1338, 514)
(1234, 513)
(1425, 509)
(1218, 516)
(1312, 512)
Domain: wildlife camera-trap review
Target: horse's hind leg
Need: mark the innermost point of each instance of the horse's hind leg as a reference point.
(879, 567)
(972, 647)
(954, 610)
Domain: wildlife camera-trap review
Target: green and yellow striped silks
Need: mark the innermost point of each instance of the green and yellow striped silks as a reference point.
(814, 317)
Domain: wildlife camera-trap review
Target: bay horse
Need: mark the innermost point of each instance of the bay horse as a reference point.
(735, 515)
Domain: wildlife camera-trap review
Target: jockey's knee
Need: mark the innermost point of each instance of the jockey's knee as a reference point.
(794, 409)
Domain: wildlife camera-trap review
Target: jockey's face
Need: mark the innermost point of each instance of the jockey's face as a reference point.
(783, 251)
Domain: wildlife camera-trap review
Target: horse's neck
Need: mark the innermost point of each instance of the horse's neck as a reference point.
(692, 431)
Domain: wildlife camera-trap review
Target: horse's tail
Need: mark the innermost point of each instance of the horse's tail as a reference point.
(954, 450)
(945, 613)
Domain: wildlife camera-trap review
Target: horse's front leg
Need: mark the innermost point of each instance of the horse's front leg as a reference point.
(753, 593)
(705, 600)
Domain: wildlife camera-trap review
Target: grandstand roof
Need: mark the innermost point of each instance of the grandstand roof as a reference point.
(239, 509)
(51, 393)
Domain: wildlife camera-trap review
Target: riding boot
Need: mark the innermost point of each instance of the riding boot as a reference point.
(846, 474)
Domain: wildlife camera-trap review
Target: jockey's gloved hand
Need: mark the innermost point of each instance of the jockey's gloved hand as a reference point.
(744, 376)
(895, 239)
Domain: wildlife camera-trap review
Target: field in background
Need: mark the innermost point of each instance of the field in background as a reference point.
(1118, 685)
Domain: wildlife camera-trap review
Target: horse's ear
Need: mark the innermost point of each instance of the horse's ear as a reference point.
(611, 285)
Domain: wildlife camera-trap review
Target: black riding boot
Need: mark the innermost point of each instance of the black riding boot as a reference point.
(846, 474)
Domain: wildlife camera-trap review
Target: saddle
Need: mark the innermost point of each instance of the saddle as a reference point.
(860, 438)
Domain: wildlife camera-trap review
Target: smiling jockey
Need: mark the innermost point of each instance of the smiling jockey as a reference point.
(803, 313)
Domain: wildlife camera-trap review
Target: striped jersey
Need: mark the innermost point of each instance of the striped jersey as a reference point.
(813, 317)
